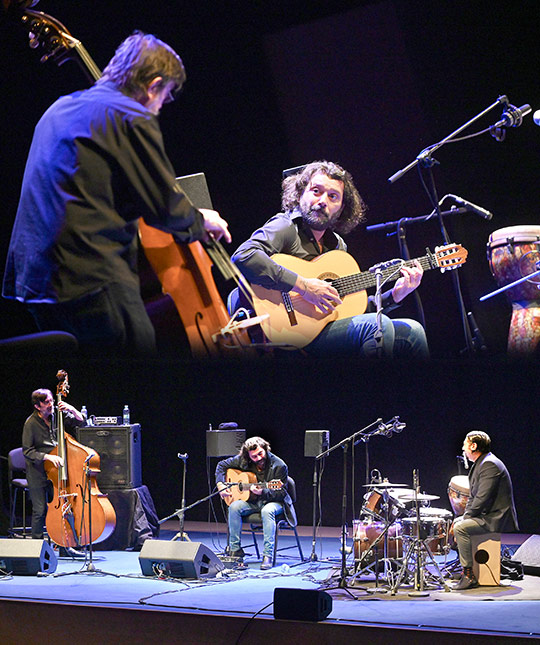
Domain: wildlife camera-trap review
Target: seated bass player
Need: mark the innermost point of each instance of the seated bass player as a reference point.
(265, 483)
(320, 203)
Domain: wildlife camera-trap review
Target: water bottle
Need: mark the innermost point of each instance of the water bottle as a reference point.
(84, 413)
(125, 415)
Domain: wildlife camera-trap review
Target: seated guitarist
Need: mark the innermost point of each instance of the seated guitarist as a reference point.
(320, 203)
(255, 457)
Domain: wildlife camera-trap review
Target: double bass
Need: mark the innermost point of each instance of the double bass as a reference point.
(184, 270)
(79, 514)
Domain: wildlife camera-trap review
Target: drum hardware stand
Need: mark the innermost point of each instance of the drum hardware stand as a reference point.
(419, 549)
(513, 284)
(387, 574)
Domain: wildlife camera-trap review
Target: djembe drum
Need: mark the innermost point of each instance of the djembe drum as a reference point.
(513, 253)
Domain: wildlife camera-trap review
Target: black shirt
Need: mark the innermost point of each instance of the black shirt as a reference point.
(97, 163)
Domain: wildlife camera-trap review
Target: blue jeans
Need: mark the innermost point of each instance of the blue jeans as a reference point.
(402, 338)
(268, 511)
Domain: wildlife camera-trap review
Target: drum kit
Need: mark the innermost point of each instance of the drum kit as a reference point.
(399, 533)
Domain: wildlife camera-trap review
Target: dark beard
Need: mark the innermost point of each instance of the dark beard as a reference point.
(317, 220)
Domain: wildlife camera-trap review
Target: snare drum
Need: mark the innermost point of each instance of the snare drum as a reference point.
(366, 532)
(458, 493)
(512, 254)
(434, 529)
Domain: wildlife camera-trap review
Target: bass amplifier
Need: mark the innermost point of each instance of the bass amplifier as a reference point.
(119, 448)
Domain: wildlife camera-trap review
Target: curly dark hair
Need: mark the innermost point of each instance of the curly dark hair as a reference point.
(354, 207)
(138, 60)
(252, 444)
(481, 439)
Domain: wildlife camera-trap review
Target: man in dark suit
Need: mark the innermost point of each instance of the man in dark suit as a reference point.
(490, 508)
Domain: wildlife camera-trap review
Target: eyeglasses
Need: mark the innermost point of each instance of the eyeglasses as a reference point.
(172, 94)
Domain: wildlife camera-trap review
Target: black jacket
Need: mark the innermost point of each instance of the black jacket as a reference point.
(275, 468)
(491, 499)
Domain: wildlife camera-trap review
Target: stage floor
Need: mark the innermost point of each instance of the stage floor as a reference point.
(231, 599)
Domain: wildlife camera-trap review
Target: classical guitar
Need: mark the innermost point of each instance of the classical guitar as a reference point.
(295, 322)
(243, 480)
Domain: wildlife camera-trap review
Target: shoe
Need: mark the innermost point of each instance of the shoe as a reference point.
(239, 553)
(70, 552)
(266, 562)
(467, 581)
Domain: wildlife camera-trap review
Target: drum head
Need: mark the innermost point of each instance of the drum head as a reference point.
(515, 234)
(460, 483)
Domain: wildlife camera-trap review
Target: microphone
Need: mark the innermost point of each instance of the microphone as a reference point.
(384, 429)
(183, 457)
(472, 207)
(397, 425)
(512, 117)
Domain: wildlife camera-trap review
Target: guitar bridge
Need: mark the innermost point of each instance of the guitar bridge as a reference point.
(286, 297)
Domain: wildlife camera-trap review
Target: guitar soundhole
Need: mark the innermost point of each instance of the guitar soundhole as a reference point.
(328, 276)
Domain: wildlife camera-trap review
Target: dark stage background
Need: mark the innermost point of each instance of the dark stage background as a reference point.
(272, 86)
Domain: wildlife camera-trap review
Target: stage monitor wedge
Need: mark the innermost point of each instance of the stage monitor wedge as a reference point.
(27, 557)
(177, 559)
(301, 604)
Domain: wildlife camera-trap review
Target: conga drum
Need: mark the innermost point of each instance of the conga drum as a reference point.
(513, 253)
(459, 493)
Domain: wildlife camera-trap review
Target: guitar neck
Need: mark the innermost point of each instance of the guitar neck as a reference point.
(364, 280)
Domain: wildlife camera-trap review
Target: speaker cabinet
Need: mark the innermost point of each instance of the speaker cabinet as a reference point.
(529, 555)
(27, 557)
(315, 442)
(301, 604)
(119, 448)
(224, 443)
(178, 559)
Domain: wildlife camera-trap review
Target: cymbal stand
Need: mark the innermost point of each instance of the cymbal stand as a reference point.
(417, 551)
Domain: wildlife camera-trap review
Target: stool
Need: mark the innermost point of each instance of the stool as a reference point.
(486, 550)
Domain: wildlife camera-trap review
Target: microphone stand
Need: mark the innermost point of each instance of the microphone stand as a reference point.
(313, 556)
(180, 511)
(426, 160)
(377, 269)
(344, 444)
(89, 565)
(378, 337)
(181, 535)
